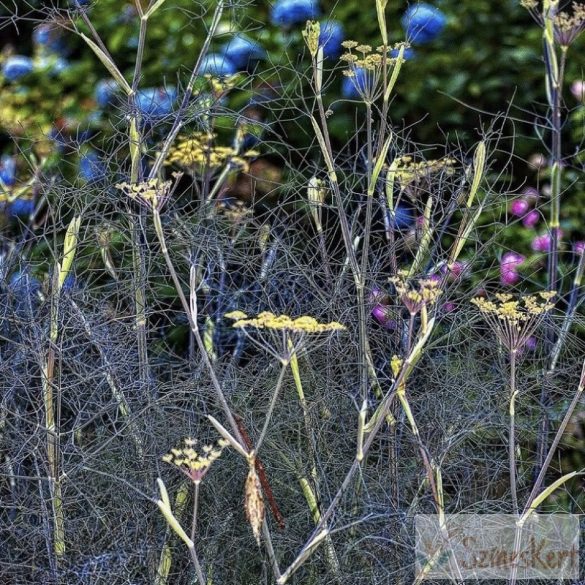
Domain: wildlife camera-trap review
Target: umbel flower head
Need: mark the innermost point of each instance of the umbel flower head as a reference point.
(268, 320)
(193, 464)
(567, 26)
(153, 193)
(416, 296)
(281, 331)
(197, 152)
(514, 319)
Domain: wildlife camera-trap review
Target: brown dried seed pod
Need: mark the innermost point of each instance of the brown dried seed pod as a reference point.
(254, 502)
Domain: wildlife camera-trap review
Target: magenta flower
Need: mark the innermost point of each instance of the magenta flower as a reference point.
(531, 219)
(579, 248)
(449, 307)
(541, 243)
(383, 316)
(510, 260)
(456, 271)
(519, 207)
(509, 276)
(530, 193)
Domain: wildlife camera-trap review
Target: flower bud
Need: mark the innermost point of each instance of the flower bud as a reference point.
(519, 207)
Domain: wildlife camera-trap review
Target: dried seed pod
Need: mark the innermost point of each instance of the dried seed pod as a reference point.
(253, 501)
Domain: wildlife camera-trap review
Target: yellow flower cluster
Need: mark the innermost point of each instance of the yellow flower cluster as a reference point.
(514, 320)
(368, 60)
(197, 151)
(311, 36)
(268, 320)
(152, 192)
(516, 311)
(424, 293)
(193, 464)
(409, 171)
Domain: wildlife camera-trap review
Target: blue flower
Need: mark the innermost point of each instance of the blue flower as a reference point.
(8, 170)
(330, 38)
(21, 207)
(351, 86)
(423, 23)
(407, 55)
(288, 12)
(156, 102)
(91, 168)
(217, 65)
(402, 218)
(243, 52)
(17, 66)
(22, 281)
(105, 92)
(48, 38)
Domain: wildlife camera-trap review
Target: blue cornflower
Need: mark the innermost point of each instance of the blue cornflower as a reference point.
(331, 37)
(21, 207)
(217, 65)
(243, 52)
(48, 38)
(288, 12)
(352, 86)
(8, 170)
(402, 218)
(156, 102)
(105, 92)
(91, 168)
(17, 66)
(423, 23)
(407, 55)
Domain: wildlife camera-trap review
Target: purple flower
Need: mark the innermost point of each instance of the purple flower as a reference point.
(457, 270)
(449, 307)
(579, 248)
(541, 243)
(509, 276)
(423, 23)
(519, 207)
(17, 66)
(510, 260)
(217, 65)
(531, 219)
(288, 12)
(331, 37)
(8, 170)
(379, 296)
(382, 315)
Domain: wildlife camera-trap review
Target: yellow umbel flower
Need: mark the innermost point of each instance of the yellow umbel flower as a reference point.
(268, 320)
(193, 464)
(514, 319)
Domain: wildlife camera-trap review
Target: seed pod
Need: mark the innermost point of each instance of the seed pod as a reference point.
(253, 501)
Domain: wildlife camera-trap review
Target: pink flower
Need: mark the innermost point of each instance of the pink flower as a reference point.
(457, 270)
(449, 307)
(578, 90)
(541, 243)
(531, 219)
(579, 248)
(530, 193)
(519, 207)
(510, 260)
(509, 276)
